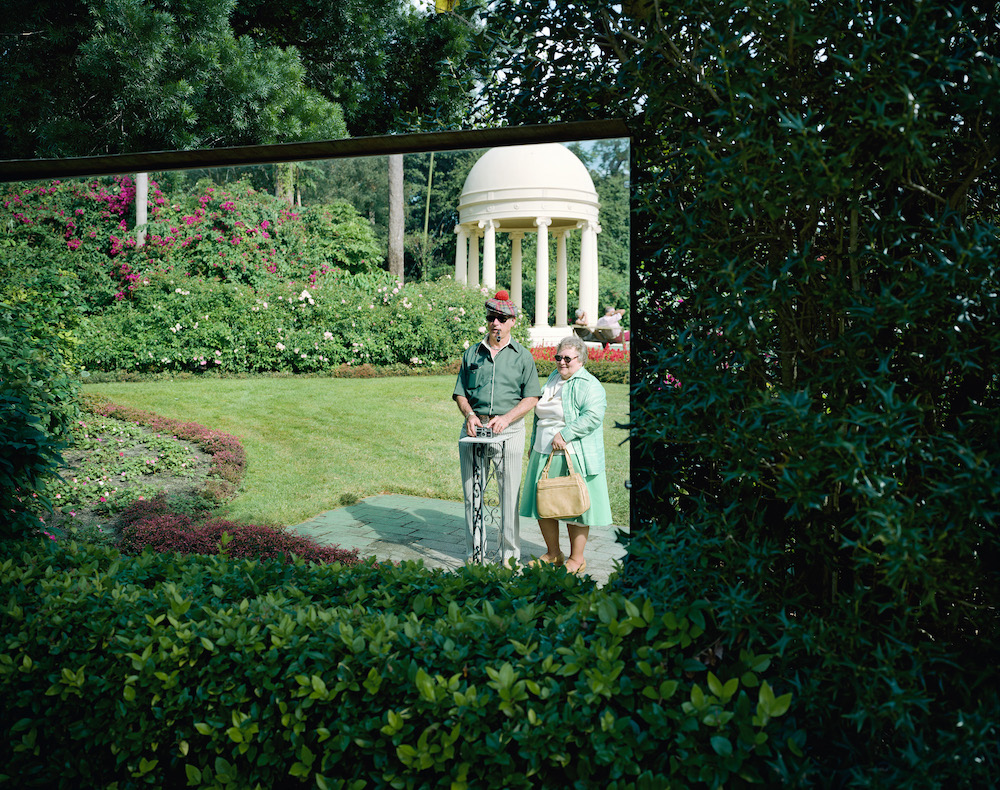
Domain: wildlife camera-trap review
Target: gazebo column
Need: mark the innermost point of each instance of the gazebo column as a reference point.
(461, 254)
(588, 269)
(516, 292)
(542, 273)
(489, 227)
(561, 278)
(474, 258)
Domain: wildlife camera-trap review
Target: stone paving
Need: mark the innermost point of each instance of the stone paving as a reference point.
(396, 527)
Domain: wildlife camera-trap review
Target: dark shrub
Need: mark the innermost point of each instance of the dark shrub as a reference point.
(152, 525)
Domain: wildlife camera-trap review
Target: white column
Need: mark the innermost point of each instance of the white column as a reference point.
(461, 254)
(542, 273)
(561, 278)
(489, 227)
(474, 258)
(516, 293)
(588, 269)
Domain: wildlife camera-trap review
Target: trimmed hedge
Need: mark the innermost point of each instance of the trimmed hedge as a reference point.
(212, 672)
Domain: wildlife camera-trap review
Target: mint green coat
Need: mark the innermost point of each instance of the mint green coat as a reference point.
(584, 403)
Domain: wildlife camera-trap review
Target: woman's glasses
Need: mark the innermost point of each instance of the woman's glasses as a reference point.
(564, 359)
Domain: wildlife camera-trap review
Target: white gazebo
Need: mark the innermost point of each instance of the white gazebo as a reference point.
(543, 189)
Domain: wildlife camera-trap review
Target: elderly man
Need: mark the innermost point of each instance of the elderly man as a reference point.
(497, 386)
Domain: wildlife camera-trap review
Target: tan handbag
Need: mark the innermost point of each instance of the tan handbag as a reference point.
(561, 497)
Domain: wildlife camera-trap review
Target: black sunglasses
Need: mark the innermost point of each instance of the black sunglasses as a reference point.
(503, 319)
(564, 359)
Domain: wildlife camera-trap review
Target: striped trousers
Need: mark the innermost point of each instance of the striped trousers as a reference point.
(510, 490)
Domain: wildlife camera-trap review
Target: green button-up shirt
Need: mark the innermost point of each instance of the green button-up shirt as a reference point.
(495, 385)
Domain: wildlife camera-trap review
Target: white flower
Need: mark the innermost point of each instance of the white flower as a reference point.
(304, 295)
(280, 346)
(465, 344)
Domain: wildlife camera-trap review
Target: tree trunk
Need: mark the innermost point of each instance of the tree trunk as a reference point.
(284, 182)
(141, 206)
(396, 216)
(427, 216)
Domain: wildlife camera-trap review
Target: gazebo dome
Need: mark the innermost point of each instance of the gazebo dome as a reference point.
(513, 185)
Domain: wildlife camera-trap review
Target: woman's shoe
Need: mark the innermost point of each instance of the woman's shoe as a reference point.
(559, 559)
(578, 570)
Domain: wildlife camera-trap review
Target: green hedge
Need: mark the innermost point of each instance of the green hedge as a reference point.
(37, 392)
(212, 672)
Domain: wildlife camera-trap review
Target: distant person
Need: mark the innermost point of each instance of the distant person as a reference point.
(497, 385)
(582, 327)
(611, 321)
(569, 417)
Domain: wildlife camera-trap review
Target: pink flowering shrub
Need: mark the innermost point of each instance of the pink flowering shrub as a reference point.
(233, 234)
(231, 281)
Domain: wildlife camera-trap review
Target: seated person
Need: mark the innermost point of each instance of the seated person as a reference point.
(610, 323)
(581, 327)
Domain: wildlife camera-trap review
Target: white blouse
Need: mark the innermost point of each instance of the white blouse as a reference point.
(549, 412)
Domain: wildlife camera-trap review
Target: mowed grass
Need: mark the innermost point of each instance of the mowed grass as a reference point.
(315, 444)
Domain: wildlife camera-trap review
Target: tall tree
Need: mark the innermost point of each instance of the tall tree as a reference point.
(86, 77)
(390, 65)
(816, 432)
(396, 218)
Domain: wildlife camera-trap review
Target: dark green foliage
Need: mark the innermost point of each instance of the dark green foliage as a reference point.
(388, 63)
(37, 390)
(197, 671)
(815, 201)
(86, 77)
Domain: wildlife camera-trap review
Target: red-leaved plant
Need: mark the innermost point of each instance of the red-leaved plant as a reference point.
(150, 524)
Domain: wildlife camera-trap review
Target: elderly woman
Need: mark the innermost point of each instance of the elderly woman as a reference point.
(569, 417)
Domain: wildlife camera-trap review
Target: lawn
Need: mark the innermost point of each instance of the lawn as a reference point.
(314, 444)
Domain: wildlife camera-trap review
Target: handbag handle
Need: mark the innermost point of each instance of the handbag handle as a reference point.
(569, 464)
